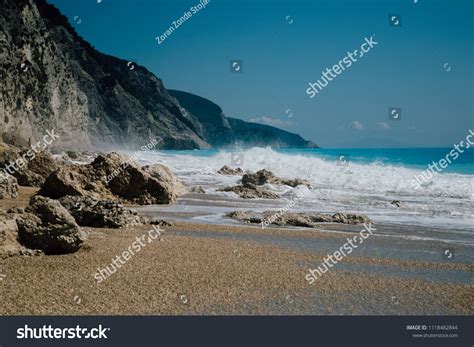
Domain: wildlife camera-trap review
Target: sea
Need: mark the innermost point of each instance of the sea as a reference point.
(363, 181)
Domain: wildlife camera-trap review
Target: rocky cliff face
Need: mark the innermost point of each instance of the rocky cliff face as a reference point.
(38, 90)
(52, 79)
(214, 123)
(222, 131)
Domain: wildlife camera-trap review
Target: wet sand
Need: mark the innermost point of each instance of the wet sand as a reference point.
(198, 268)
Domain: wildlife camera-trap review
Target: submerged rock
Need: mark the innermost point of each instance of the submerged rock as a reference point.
(160, 222)
(226, 170)
(350, 218)
(264, 176)
(100, 213)
(396, 203)
(300, 219)
(46, 225)
(197, 189)
(250, 191)
(71, 157)
(245, 216)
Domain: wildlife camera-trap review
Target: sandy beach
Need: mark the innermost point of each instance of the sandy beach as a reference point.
(202, 268)
(245, 173)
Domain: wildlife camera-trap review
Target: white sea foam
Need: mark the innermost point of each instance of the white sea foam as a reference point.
(447, 200)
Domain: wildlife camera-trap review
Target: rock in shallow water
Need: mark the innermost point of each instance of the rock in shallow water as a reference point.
(250, 191)
(226, 170)
(160, 222)
(264, 176)
(198, 190)
(164, 175)
(301, 219)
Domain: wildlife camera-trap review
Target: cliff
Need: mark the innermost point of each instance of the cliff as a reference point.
(222, 131)
(52, 79)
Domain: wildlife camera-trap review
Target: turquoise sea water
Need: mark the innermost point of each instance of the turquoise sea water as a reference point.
(349, 180)
(416, 158)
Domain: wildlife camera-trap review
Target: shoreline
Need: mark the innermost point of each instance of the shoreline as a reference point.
(199, 269)
(210, 209)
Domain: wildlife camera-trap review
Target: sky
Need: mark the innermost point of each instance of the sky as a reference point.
(422, 64)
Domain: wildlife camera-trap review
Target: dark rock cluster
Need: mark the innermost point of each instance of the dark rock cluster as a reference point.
(252, 182)
(113, 176)
(88, 195)
(300, 219)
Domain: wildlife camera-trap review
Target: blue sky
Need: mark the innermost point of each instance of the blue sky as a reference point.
(407, 69)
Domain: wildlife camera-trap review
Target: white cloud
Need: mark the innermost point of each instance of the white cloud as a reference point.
(270, 121)
(383, 125)
(357, 125)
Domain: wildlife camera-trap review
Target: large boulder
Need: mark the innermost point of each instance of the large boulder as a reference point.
(29, 167)
(48, 226)
(134, 184)
(108, 177)
(264, 176)
(8, 185)
(250, 191)
(76, 180)
(38, 167)
(226, 170)
(164, 174)
(100, 213)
